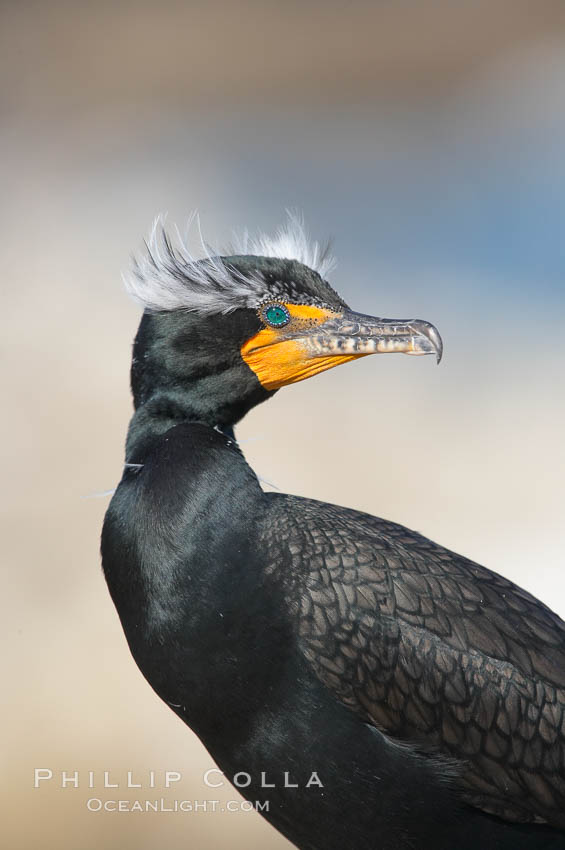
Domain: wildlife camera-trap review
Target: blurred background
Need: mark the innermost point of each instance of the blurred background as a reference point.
(428, 140)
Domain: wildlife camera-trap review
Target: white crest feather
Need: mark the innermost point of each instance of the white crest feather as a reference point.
(290, 242)
(168, 277)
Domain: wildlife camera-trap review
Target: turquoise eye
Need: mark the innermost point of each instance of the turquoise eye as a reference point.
(277, 315)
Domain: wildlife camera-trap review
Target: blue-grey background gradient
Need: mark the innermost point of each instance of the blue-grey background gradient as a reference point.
(427, 140)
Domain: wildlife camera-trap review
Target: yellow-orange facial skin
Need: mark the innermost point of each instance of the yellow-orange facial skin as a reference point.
(278, 361)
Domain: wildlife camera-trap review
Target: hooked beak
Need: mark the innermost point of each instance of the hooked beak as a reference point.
(316, 339)
(356, 334)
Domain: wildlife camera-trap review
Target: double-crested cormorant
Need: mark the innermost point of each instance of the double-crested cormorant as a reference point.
(396, 695)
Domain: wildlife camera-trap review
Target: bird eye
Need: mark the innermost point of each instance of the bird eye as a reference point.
(276, 315)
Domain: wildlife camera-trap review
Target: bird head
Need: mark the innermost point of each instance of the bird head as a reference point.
(225, 332)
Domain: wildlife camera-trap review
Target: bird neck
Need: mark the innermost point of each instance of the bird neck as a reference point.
(187, 369)
(170, 407)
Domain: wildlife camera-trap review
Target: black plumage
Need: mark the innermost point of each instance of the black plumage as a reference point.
(416, 699)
